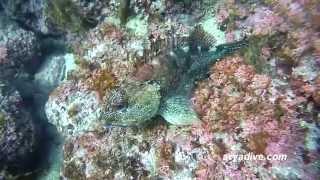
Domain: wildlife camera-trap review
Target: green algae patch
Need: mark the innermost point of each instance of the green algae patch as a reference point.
(252, 53)
(66, 15)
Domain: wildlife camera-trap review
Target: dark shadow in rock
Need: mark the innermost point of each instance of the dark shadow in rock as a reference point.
(49, 139)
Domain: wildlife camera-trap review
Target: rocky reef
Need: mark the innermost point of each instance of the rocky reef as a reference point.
(18, 133)
(163, 89)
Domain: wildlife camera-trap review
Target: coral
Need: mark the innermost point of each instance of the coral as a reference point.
(166, 159)
(230, 95)
(135, 111)
(252, 117)
(175, 107)
(144, 72)
(150, 152)
(138, 25)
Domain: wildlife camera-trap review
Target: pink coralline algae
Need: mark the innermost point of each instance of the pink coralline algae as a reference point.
(256, 116)
(264, 21)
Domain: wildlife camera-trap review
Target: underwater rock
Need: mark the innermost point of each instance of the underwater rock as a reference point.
(152, 152)
(104, 156)
(73, 109)
(178, 67)
(247, 105)
(30, 13)
(53, 71)
(21, 47)
(51, 17)
(92, 10)
(66, 16)
(18, 133)
(307, 69)
(153, 91)
(198, 151)
(51, 74)
(175, 105)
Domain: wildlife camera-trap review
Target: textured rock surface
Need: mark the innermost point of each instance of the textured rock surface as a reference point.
(237, 100)
(51, 74)
(53, 71)
(21, 47)
(73, 110)
(18, 138)
(41, 15)
(126, 153)
(241, 112)
(29, 12)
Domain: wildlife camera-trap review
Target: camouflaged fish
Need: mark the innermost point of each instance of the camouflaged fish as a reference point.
(167, 95)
